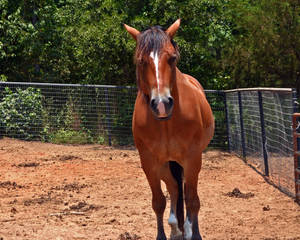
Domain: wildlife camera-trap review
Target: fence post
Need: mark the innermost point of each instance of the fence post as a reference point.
(295, 103)
(107, 118)
(263, 132)
(296, 137)
(1, 127)
(242, 125)
(226, 120)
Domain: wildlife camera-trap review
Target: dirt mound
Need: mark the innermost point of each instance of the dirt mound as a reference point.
(236, 193)
(127, 236)
(27, 165)
(10, 185)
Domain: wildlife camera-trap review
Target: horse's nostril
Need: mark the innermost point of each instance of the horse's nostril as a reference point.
(152, 103)
(171, 101)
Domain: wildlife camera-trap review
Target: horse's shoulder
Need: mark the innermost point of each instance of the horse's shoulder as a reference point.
(193, 81)
(205, 109)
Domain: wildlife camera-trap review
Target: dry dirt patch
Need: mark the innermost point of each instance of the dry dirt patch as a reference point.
(98, 192)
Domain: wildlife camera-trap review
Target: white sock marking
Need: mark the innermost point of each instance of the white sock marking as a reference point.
(172, 219)
(173, 222)
(187, 229)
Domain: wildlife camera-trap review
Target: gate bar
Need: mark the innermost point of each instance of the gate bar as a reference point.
(242, 126)
(296, 137)
(263, 133)
(227, 120)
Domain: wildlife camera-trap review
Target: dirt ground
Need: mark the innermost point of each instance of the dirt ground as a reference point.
(61, 192)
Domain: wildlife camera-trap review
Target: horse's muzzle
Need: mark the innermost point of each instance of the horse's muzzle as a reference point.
(162, 107)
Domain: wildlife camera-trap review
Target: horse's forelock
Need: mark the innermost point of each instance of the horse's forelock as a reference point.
(152, 40)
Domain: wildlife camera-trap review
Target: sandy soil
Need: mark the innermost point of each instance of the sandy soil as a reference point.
(60, 192)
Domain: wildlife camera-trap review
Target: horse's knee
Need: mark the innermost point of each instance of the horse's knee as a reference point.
(192, 202)
(159, 203)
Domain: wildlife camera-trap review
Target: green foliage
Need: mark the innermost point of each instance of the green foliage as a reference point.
(101, 140)
(70, 137)
(224, 44)
(84, 41)
(78, 119)
(264, 50)
(28, 39)
(3, 78)
(121, 119)
(21, 114)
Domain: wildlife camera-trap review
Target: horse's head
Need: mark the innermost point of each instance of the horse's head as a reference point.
(156, 57)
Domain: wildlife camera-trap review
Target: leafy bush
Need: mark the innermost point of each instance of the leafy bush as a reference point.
(101, 140)
(21, 114)
(70, 137)
(120, 122)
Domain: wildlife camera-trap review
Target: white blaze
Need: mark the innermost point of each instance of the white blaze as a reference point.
(154, 56)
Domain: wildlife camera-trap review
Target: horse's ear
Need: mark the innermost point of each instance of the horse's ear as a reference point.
(173, 28)
(132, 31)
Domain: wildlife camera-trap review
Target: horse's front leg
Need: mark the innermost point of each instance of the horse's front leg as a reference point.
(158, 198)
(191, 228)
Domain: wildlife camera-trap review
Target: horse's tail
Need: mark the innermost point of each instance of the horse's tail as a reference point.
(177, 172)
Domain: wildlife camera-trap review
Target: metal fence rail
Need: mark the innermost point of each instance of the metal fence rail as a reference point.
(81, 113)
(260, 131)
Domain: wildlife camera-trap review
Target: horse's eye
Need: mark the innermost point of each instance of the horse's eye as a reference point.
(140, 62)
(172, 59)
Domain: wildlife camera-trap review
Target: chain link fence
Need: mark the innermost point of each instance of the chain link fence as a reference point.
(71, 113)
(260, 131)
(67, 113)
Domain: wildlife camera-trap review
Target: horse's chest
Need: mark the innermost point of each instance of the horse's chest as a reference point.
(167, 143)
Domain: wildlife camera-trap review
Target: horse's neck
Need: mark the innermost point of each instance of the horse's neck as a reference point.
(178, 81)
(182, 78)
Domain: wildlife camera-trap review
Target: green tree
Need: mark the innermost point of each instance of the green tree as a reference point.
(29, 40)
(84, 41)
(224, 44)
(264, 50)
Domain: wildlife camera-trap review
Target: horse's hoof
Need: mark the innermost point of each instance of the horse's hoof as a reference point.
(161, 238)
(177, 238)
(193, 238)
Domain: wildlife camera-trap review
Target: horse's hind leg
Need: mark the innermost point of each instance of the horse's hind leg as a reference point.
(191, 228)
(172, 186)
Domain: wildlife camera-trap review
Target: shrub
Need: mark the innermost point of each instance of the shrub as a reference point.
(21, 114)
(70, 137)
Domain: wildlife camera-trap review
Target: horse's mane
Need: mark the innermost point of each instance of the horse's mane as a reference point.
(152, 39)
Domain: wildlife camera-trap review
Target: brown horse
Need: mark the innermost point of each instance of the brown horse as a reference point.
(172, 124)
